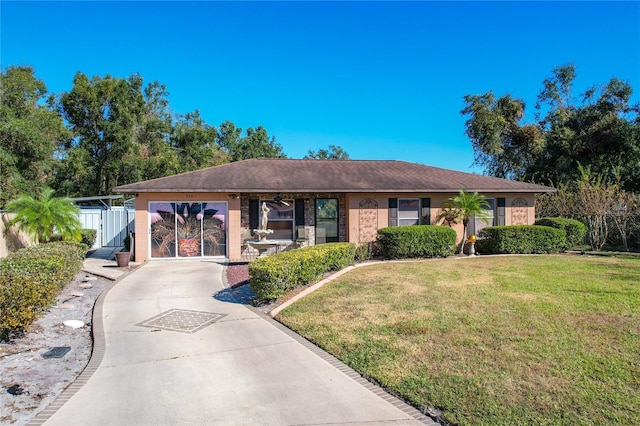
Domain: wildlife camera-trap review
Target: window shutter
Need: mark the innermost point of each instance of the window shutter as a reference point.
(254, 214)
(501, 211)
(425, 211)
(299, 211)
(393, 212)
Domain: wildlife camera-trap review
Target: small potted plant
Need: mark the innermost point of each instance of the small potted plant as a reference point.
(123, 257)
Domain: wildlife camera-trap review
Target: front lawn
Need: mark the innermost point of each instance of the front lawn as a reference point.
(490, 340)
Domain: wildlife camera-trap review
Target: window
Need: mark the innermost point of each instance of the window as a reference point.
(327, 220)
(280, 219)
(408, 211)
(475, 224)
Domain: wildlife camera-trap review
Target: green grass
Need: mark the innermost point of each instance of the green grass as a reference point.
(491, 340)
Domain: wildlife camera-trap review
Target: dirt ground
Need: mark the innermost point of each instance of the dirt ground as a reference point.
(28, 380)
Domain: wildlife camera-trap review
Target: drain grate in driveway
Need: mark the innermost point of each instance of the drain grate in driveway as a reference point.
(182, 320)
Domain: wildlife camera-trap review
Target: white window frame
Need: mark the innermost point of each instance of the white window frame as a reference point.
(416, 218)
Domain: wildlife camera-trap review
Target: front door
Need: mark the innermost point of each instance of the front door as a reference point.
(327, 220)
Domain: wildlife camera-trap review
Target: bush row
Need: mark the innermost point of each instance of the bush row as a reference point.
(520, 239)
(575, 230)
(273, 276)
(30, 280)
(88, 237)
(399, 242)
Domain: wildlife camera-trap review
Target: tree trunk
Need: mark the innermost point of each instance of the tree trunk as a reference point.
(465, 224)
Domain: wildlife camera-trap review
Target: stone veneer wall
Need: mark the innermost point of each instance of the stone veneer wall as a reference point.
(309, 217)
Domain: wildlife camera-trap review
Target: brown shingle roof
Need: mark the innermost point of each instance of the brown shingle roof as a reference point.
(288, 175)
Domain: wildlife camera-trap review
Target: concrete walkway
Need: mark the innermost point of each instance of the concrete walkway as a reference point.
(173, 347)
(101, 262)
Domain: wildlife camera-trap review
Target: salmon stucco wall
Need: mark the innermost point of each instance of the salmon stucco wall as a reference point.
(142, 218)
(369, 212)
(365, 214)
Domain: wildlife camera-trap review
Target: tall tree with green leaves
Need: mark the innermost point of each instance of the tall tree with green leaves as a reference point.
(152, 155)
(464, 206)
(502, 144)
(599, 129)
(256, 143)
(41, 217)
(333, 153)
(195, 143)
(31, 131)
(102, 113)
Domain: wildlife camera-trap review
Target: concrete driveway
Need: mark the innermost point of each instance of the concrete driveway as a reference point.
(178, 349)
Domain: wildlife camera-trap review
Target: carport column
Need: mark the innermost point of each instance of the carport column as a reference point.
(234, 229)
(142, 228)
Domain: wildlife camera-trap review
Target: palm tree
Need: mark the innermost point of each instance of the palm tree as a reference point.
(465, 206)
(43, 216)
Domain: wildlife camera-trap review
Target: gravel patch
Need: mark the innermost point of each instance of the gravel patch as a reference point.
(30, 378)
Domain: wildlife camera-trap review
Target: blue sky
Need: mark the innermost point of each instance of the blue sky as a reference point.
(383, 80)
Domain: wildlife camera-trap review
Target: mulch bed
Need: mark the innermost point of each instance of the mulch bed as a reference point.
(237, 274)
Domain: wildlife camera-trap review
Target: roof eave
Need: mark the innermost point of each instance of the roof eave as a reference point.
(342, 190)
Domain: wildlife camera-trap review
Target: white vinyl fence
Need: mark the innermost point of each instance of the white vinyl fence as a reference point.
(112, 224)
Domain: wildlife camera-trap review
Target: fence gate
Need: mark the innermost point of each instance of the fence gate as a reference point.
(112, 225)
(92, 219)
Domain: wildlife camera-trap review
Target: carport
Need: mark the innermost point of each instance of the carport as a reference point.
(112, 223)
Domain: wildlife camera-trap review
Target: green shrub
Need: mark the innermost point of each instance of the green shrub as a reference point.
(520, 239)
(576, 231)
(88, 237)
(397, 242)
(30, 280)
(126, 242)
(273, 276)
(364, 252)
(56, 238)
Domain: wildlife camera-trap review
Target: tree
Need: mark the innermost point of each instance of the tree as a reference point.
(195, 142)
(43, 216)
(153, 156)
(333, 153)
(464, 206)
(602, 132)
(603, 207)
(102, 113)
(255, 144)
(228, 137)
(624, 215)
(502, 145)
(30, 133)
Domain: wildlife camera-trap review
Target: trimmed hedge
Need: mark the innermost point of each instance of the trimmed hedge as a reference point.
(273, 276)
(30, 280)
(520, 239)
(398, 242)
(576, 231)
(88, 237)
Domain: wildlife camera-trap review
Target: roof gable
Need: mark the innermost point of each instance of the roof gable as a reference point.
(290, 175)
